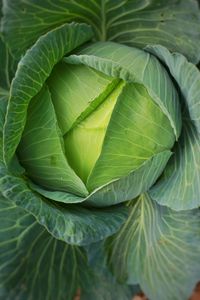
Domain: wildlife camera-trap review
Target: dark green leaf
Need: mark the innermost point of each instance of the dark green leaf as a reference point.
(179, 188)
(174, 24)
(159, 249)
(34, 265)
(104, 285)
(7, 66)
(3, 106)
(14, 166)
(187, 77)
(4, 73)
(71, 223)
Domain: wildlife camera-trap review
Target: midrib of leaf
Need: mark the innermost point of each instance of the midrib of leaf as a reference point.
(5, 65)
(39, 263)
(51, 267)
(7, 68)
(103, 21)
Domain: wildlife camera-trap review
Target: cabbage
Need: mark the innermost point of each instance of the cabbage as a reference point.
(99, 149)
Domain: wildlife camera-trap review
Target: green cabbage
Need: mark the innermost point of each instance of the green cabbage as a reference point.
(104, 127)
(99, 149)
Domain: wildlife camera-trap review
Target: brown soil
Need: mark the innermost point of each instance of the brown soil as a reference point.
(195, 295)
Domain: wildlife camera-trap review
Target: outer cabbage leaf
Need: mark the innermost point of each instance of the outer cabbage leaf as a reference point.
(14, 166)
(35, 265)
(174, 24)
(5, 66)
(72, 223)
(7, 61)
(187, 77)
(3, 106)
(106, 288)
(32, 71)
(157, 247)
(179, 187)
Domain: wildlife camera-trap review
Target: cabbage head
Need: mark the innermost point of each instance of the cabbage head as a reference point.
(99, 119)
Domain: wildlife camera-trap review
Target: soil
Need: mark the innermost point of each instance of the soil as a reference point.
(195, 295)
